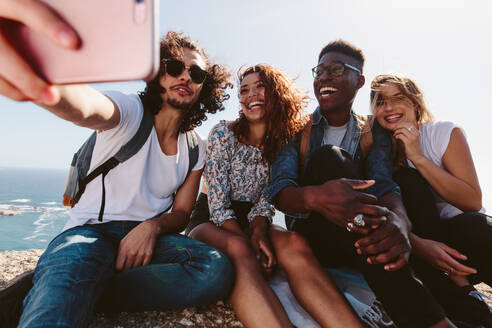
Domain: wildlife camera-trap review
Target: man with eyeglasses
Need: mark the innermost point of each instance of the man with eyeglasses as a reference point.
(130, 256)
(318, 179)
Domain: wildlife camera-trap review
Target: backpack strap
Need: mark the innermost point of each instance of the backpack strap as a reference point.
(125, 152)
(304, 146)
(193, 151)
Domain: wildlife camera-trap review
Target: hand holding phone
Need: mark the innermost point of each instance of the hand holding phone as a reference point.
(18, 81)
(116, 40)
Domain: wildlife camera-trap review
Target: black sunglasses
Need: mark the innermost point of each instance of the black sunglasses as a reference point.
(176, 67)
(335, 69)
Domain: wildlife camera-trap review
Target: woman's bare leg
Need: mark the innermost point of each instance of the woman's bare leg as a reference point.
(311, 285)
(255, 303)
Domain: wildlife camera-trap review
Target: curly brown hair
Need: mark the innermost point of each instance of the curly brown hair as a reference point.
(284, 110)
(213, 92)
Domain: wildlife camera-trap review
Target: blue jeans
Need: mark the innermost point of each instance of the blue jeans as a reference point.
(77, 270)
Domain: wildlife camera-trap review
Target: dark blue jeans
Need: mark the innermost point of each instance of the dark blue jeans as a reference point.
(77, 270)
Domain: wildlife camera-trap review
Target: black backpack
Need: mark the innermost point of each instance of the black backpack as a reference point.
(78, 177)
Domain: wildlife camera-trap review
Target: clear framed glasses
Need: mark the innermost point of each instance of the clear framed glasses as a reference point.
(335, 69)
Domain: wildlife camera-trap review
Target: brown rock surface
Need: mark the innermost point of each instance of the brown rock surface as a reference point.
(13, 263)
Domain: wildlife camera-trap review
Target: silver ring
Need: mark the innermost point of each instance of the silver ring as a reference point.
(350, 226)
(359, 220)
(410, 128)
(448, 272)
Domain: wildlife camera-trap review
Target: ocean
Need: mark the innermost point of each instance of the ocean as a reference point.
(36, 194)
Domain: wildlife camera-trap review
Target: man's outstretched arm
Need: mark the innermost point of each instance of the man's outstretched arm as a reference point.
(79, 104)
(18, 80)
(86, 107)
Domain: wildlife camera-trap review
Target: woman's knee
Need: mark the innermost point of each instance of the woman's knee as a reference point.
(469, 230)
(292, 248)
(238, 249)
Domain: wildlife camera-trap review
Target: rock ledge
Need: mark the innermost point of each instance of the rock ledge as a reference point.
(13, 263)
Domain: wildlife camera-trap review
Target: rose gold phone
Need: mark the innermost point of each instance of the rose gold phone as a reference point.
(119, 41)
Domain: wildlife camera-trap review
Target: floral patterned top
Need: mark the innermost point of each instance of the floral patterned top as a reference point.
(235, 171)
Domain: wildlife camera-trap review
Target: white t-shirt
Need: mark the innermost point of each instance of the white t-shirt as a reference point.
(434, 140)
(334, 135)
(142, 186)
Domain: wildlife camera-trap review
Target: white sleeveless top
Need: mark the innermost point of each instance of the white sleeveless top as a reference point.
(434, 140)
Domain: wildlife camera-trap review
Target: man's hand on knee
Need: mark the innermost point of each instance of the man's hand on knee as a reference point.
(137, 247)
(388, 244)
(340, 201)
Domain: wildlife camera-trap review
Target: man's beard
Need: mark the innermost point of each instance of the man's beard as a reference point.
(179, 105)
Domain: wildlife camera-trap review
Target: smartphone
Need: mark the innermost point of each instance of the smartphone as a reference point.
(119, 42)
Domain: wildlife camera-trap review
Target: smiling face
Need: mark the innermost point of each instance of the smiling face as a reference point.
(337, 93)
(392, 107)
(252, 97)
(181, 91)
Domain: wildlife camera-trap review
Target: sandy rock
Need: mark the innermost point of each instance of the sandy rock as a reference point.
(9, 212)
(13, 263)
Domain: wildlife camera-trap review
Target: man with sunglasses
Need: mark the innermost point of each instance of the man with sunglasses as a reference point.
(133, 257)
(346, 220)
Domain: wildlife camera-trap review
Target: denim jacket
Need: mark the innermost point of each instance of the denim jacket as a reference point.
(284, 170)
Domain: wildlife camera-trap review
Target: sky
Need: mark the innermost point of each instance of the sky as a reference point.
(443, 45)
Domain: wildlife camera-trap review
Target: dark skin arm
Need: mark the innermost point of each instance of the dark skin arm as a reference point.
(339, 201)
(389, 243)
(137, 248)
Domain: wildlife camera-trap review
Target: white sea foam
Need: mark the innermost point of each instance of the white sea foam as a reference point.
(21, 200)
(49, 203)
(33, 209)
(45, 224)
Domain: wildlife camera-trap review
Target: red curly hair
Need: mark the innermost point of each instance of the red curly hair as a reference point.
(284, 110)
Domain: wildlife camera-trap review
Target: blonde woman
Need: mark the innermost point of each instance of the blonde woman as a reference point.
(434, 168)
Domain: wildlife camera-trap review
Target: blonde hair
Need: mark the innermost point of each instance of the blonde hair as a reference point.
(409, 89)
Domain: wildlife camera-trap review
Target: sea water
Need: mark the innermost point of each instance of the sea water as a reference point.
(36, 194)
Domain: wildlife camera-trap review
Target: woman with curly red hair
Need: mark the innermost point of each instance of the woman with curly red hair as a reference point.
(236, 218)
